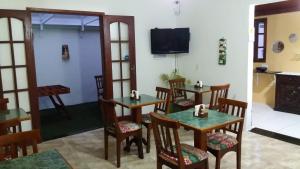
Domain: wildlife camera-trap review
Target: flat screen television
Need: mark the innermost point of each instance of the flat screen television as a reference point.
(170, 41)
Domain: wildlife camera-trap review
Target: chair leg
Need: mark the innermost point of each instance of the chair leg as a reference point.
(218, 160)
(140, 145)
(238, 157)
(106, 145)
(158, 165)
(206, 164)
(118, 153)
(148, 138)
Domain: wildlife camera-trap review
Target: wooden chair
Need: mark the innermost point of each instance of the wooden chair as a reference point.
(179, 97)
(20, 140)
(219, 143)
(10, 126)
(7, 127)
(121, 130)
(169, 151)
(219, 91)
(163, 94)
(3, 104)
(99, 84)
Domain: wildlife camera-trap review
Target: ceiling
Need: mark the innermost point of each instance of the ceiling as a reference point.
(61, 19)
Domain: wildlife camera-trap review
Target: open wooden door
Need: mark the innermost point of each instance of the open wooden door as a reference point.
(119, 57)
(17, 70)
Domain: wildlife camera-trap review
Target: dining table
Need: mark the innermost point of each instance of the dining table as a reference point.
(201, 126)
(50, 159)
(11, 114)
(135, 105)
(198, 91)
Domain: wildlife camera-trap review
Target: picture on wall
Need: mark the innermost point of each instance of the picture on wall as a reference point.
(65, 52)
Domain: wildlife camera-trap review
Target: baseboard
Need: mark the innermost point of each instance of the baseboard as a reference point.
(277, 136)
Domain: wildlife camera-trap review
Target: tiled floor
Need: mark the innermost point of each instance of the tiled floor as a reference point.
(265, 117)
(85, 151)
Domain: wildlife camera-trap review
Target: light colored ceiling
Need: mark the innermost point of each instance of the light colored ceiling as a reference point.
(61, 19)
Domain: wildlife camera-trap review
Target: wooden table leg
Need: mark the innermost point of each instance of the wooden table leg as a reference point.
(60, 106)
(198, 98)
(137, 118)
(200, 141)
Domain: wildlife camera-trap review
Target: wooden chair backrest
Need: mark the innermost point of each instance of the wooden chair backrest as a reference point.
(109, 113)
(8, 126)
(3, 104)
(166, 137)
(219, 91)
(235, 108)
(164, 94)
(99, 84)
(177, 83)
(20, 140)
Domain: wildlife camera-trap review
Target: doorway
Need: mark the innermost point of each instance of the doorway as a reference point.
(274, 52)
(68, 57)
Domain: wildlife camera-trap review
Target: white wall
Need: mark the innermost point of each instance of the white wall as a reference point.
(78, 72)
(209, 20)
(90, 59)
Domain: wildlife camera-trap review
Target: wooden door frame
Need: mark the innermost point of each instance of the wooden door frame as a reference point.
(108, 59)
(34, 98)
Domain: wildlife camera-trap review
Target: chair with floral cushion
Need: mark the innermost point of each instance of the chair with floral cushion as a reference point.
(219, 143)
(219, 91)
(169, 151)
(179, 97)
(163, 94)
(121, 130)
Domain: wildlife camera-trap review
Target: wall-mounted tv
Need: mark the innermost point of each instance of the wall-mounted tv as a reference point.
(169, 41)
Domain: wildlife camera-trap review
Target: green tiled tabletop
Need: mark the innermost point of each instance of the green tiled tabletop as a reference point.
(213, 120)
(13, 114)
(45, 160)
(144, 101)
(191, 88)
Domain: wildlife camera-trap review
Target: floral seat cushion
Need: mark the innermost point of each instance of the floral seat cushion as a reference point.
(190, 155)
(220, 141)
(127, 126)
(185, 102)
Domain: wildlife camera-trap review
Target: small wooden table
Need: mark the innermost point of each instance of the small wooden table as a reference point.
(136, 105)
(215, 120)
(10, 114)
(51, 159)
(136, 108)
(55, 91)
(197, 91)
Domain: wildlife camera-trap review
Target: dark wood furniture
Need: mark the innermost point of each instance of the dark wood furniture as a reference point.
(3, 104)
(202, 126)
(136, 106)
(99, 84)
(179, 97)
(170, 151)
(219, 143)
(10, 126)
(121, 130)
(218, 91)
(163, 94)
(20, 140)
(7, 127)
(287, 95)
(55, 91)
